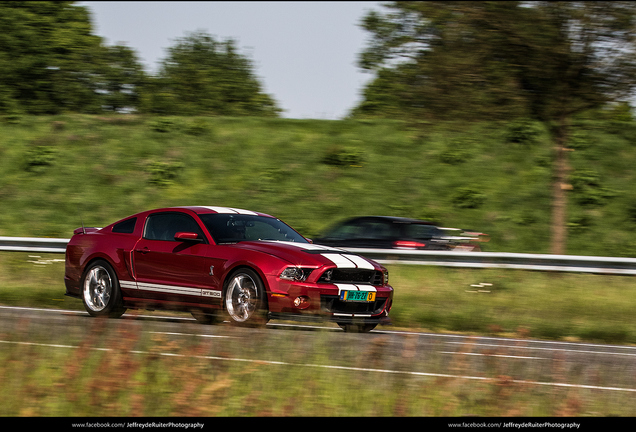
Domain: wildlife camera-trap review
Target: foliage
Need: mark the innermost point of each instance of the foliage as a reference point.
(204, 76)
(503, 60)
(121, 79)
(163, 173)
(343, 157)
(47, 57)
(52, 63)
(468, 198)
(84, 163)
(523, 131)
(39, 157)
(497, 59)
(458, 151)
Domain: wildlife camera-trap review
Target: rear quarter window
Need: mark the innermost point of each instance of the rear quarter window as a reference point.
(125, 227)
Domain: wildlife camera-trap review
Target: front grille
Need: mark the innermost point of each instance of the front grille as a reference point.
(332, 304)
(352, 276)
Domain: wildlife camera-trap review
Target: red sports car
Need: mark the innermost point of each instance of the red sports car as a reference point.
(219, 261)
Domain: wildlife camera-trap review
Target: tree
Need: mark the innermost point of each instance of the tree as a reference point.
(121, 78)
(550, 60)
(47, 54)
(204, 76)
(446, 59)
(582, 57)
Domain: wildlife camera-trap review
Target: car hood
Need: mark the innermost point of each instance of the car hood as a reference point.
(312, 255)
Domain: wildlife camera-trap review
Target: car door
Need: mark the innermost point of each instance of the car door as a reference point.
(169, 269)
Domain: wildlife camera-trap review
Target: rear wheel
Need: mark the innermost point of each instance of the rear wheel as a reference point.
(100, 291)
(244, 298)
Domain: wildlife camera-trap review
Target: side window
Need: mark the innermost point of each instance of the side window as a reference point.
(164, 226)
(125, 227)
(346, 231)
(378, 230)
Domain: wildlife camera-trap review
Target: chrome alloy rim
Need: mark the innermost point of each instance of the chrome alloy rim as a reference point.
(98, 288)
(241, 298)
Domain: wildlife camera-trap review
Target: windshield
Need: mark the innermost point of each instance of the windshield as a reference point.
(233, 228)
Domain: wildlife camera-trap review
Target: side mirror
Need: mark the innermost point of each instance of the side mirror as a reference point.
(187, 237)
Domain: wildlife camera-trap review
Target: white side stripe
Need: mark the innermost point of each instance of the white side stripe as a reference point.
(169, 289)
(173, 289)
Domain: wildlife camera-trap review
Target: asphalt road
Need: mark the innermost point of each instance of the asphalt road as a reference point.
(545, 363)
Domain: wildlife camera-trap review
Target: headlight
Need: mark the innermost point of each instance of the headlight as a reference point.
(296, 274)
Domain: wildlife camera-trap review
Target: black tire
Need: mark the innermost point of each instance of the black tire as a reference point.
(357, 328)
(244, 299)
(100, 291)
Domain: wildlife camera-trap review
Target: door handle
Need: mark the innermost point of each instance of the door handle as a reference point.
(143, 250)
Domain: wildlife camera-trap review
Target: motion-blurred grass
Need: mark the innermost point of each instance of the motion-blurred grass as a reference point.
(56, 172)
(118, 369)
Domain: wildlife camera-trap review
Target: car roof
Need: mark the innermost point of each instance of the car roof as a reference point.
(394, 219)
(218, 209)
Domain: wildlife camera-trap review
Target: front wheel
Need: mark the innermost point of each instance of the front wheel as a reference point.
(100, 291)
(244, 296)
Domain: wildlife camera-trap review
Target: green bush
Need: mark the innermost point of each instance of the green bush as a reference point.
(523, 131)
(468, 198)
(458, 151)
(588, 189)
(343, 157)
(163, 173)
(197, 127)
(39, 157)
(163, 125)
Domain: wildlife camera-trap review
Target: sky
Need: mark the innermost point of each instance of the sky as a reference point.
(304, 53)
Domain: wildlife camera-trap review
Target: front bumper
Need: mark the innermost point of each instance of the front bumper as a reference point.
(321, 302)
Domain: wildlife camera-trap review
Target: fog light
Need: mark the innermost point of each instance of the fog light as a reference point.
(301, 302)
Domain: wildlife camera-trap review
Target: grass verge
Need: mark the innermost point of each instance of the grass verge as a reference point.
(150, 375)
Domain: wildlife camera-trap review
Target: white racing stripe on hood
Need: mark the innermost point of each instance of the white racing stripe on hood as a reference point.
(341, 261)
(337, 256)
(348, 261)
(360, 262)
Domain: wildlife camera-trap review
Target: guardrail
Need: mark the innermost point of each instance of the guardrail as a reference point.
(541, 262)
(33, 244)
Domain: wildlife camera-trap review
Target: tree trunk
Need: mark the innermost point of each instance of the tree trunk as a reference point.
(560, 188)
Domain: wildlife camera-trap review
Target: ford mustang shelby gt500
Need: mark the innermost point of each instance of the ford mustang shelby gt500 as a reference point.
(214, 261)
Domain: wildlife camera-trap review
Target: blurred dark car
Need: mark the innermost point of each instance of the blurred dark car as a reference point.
(388, 232)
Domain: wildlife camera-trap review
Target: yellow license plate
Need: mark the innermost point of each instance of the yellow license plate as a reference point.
(360, 296)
